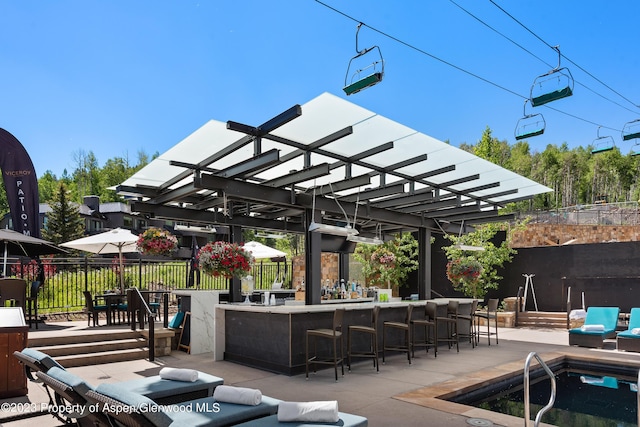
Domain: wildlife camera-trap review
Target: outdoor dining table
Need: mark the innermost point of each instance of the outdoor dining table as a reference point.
(112, 300)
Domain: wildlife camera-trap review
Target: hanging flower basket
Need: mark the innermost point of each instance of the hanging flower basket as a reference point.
(225, 259)
(156, 241)
(463, 270)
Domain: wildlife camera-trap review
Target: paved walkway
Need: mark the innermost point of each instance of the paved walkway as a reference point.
(400, 395)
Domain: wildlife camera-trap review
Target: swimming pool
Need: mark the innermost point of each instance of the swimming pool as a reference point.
(588, 394)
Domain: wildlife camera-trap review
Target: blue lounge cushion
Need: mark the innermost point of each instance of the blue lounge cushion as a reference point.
(73, 381)
(634, 323)
(194, 413)
(213, 413)
(44, 359)
(606, 316)
(176, 321)
(346, 420)
(143, 404)
(157, 388)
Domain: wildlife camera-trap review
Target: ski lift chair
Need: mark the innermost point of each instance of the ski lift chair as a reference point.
(635, 149)
(357, 79)
(551, 86)
(529, 125)
(631, 130)
(602, 143)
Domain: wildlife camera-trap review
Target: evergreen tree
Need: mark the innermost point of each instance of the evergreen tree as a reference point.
(64, 222)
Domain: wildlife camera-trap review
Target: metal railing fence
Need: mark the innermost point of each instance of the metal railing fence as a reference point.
(625, 213)
(67, 278)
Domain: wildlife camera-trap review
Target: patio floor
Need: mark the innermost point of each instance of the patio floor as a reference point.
(401, 394)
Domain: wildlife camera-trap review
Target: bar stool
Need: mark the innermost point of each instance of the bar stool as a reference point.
(491, 314)
(451, 321)
(335, 335)
(405, 327)
(373, 332)
(471, 319)
(430, 326)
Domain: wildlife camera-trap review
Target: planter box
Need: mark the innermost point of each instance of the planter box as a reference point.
(506, 319)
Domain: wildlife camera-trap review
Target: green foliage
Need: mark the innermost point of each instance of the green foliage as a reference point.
(491, 259)
(403, 248)
(64, 222)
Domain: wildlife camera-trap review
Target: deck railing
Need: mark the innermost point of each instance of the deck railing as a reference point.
(67, 278)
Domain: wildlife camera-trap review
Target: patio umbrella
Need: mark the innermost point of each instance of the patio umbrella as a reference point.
(20, 244)
(116, 241)
(260, 251)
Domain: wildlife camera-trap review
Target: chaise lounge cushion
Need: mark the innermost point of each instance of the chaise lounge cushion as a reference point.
(131, 400)
(629, 340)
(200, 412)
(73, 381)
(345, 420)
(43, 359)
(156, 388)
(605, 316)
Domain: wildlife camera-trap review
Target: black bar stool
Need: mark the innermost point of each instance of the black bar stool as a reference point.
(430, 326)
(451, 321)
(335, 335)
(471, 320)
(373, 332)
(405, 327)
(490, 314)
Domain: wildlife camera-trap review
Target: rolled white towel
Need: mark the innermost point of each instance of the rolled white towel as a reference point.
(592, 328)
(319, 411)
(239, 395)
(189, 375)
(635, 331)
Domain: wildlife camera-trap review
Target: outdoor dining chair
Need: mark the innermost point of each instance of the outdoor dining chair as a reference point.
(93, 309)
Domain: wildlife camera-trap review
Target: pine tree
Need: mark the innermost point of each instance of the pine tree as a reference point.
(64, 222)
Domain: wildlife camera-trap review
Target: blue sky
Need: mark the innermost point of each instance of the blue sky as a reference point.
(119, 77)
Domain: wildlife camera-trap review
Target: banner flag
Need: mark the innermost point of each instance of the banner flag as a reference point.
(21, 184)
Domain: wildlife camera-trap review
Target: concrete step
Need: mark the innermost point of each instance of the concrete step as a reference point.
(93, 347)
(74, 360)
(542, 319)
(82, 337)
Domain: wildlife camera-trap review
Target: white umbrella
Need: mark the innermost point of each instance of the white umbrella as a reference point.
(260, 251)
(116, 241)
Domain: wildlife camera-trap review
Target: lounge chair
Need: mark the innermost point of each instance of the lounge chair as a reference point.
(143, 412)
(72, 390)
(35, 361)
(160, 390)
(628, 340)
(600, 324)
(346, 420)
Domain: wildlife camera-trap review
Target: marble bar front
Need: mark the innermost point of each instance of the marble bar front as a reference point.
(272, 338)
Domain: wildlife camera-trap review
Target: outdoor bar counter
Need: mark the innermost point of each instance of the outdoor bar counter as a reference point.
(272, 338)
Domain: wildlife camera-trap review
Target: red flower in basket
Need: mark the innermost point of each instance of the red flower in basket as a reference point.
(156, 241)
(225, 259)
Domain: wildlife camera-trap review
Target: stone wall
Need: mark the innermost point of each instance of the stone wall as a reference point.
(557, 234)
(328, 261)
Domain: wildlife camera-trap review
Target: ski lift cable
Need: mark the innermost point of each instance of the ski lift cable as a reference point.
(538, 58)
(523, 97)
(565, 57)
(423, 51)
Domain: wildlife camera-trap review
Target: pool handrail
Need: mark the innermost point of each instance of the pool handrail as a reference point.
(552, 398)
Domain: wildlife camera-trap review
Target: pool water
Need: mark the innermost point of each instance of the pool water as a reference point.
(585, 397)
